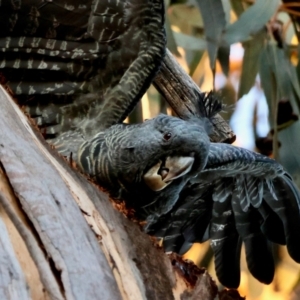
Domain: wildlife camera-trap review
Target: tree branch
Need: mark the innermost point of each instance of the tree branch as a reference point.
(92, 250)
(180, 92)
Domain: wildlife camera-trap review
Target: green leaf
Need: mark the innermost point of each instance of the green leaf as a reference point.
(250, 63)
(298, 65)
(289, 155)
(251, 21)
(237, 6)
(285, 81)
(171, 43)
(223, 58)
(167, 3)
(195, 61)
(189, 42)
(202, 74)
(285, 72)
(185, 17)
(268, 81)
(227, 8)
(214, 23)
(295, 83)
(297, 75)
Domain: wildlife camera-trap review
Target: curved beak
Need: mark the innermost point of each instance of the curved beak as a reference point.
(153, 179)
(178, 166)
(162, 174)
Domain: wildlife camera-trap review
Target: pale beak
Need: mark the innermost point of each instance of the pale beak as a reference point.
(178, 166)
(161, 175)
(153, 179)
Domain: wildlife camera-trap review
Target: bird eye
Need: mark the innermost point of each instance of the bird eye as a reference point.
(167, 136)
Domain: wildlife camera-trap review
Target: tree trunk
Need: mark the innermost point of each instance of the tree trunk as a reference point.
(61, 237)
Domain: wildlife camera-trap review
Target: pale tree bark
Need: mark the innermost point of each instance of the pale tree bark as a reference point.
(181, 92)
(62, 238)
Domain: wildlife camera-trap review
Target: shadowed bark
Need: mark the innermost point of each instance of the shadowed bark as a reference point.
(181, 92)
(61, 237)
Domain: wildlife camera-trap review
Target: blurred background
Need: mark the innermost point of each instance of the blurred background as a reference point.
(247, 51)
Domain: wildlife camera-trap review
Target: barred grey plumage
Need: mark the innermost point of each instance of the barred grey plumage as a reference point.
(109, 50)
(119, 157)
(239, 196)
(186, 188)
(190, 190)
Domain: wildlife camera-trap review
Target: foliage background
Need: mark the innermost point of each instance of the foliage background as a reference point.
(248, 52)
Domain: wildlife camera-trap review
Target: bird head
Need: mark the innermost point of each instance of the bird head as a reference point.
(166, 148)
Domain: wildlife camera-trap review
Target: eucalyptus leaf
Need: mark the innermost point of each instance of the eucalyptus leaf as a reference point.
(167, 3)
(186, 16)
(214, 23)
(275, 61)
(189, 42)
(292, 73)
(195, 61)
(223, 58)
(289, 155)
(202, 74)
(227, 8)
(298, 65)
(251, 62)
(237, 6)
(171, 42)
(280, 70)
(251, 21)
(268, 81)
(285, 72)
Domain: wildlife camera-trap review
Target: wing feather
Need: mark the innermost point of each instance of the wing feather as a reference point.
(252, 200)
(226, 244)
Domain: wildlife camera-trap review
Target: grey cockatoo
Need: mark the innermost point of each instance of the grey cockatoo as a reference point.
(186, 188)
(191, 190)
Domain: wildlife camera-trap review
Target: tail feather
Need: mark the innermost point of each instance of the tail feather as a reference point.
(227, 259)
(259, 258)
(190, 219)
(287, 208)
(272, 226)
(226, 244)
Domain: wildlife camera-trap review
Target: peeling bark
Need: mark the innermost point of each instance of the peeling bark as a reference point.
(72, 264)
(181, 92)
(12, 284)
(61, 236)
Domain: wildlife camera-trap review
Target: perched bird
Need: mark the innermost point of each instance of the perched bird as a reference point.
(188, 190)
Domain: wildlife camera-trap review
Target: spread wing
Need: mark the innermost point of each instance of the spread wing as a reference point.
(108, 50)
(240, 196)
